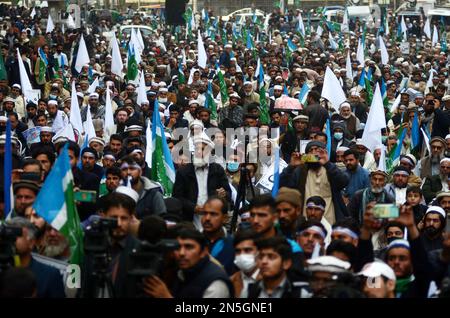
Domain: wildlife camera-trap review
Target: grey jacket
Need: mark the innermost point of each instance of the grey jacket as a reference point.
(151, 201)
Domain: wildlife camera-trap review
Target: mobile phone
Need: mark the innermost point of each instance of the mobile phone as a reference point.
(385, 211)
(309, 158)
(85, 196)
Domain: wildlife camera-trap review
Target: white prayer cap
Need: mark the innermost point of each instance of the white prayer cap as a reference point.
(128, 192)
(197, 123)
(247, 83)
(3, 118)
(162, 84)
(345, 104)
(52, 102)
(204, 140)
(46, 129)
(228, 45)
(93, 95)
(235, 95)
(342, 148)
(17, 86)
(133, 128)
(377, 269)
(436, 209)
(446, 98)
(97, 139)
(60, 139)
(163, 90)
(278, 87)
(447, 137)
(328, 264)
(278, 77)
(80, 94)
(194, 101)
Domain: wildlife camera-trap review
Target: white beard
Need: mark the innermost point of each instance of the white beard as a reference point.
(55, 250)
(200, 162)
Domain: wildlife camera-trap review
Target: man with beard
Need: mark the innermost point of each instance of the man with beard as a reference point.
(120, 205)
(250, 96)
(429, 166)
(121, 117)
(54, 112)
(288, 207)
(45, 142)
(358, 176)
(409, 162)
(351, 122)
(376, 192)
(138, 154)
(397, 189)
(443, 200)
(366, 158)
(357, 107)
(198, 180)
(435, 118)
(317, 176)
(408, 259)
(316, 113)
(88, 162)
(17, 98)
(290, 140)
(432, 228)
(55, 245)
(437, 183)
(115, 146)
(150, 200)
(97, 110)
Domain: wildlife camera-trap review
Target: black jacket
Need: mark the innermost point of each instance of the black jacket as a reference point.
(317, 114)
(186, 189)
(198, 278)
(85, 181)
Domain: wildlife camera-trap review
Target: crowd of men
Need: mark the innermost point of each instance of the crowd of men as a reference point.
(317, 235)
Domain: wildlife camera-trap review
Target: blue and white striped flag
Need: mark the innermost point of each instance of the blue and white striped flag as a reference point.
(7, 166)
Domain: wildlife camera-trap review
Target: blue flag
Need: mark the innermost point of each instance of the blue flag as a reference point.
(249, 41)
(415, 133)
(361, 82)
(7, 182)
(304, 93)
(328, 132)
(291, 45)
(285, 91)
(85, 145)
(276, 173)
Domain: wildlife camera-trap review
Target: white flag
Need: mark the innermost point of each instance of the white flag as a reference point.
(142, 94)
(382, 163)
(70, 22)
(429, 81)
(75, 115)
(136, 45)
(348, 67)
(435, 38)
(375, 122)
(360, 52)
(24, 80)
(60, 122)
(344, 26)
(148, 147)
(319, 30)
(33, 13)
(332, 90)
(66, 132)
(93, 86)
(89, 125)
(404, 28)
(202, 58)
(109, 127)
(384, 53)
(50, 25)
(116, 62)
(82, 55)
(427, 29)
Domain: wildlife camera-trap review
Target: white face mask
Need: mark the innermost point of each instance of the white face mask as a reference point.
(245, 262)
(162, 100)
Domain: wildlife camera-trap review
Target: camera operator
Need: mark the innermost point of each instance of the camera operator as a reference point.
(198, 276)
(119, 205)
(49, 280)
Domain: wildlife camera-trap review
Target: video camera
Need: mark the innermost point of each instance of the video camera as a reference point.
(8, 236)
(97, 235)
(147, 260)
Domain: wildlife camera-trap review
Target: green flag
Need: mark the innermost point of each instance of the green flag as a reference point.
(132, 68)
(3, 74)
(223, 87)
(55, 204)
